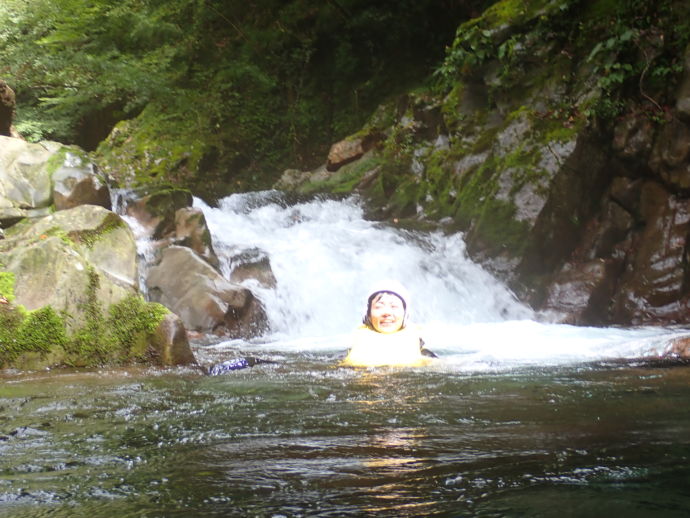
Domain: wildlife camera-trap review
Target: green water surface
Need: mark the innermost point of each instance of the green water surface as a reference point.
(307, 438)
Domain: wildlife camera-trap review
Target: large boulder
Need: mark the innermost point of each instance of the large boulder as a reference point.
(170, 343)
(156, 211)
(71, 289)
(252, 265)
(75, 182)
(351, 149)
(167, 217)
(25, 184)
(192, 231)
(37, 178)
(54, 257)
(203, 298)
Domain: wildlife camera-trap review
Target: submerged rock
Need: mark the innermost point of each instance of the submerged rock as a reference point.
(253, 265)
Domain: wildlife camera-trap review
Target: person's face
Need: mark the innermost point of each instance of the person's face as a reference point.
(387, 313)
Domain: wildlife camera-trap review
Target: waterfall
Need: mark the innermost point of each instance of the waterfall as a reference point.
(145, 248)
(326, 257)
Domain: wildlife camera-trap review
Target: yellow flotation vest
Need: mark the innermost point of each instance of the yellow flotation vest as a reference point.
(373, 349)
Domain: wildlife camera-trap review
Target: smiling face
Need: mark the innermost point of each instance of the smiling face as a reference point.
(387, 313)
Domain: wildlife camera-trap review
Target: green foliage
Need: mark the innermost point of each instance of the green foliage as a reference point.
(485, 38)
(640, 50)
(217, 92)
(632, 48)
(70, 62)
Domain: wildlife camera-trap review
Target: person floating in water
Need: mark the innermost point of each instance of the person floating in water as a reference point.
(385, 337)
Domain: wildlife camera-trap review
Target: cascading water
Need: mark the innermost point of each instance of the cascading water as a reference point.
(325, 256)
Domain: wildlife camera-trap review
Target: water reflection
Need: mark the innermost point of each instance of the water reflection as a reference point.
(322, 442)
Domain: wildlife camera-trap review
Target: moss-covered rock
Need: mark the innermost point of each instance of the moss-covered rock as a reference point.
(156, 210)
(69, 294)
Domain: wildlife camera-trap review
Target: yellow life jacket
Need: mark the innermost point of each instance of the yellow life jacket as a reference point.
(373, 349)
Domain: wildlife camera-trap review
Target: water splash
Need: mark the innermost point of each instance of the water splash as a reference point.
(325, 256)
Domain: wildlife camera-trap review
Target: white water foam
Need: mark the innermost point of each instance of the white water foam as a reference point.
(325, 257)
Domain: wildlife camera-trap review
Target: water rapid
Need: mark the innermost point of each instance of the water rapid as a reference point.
(326, 257)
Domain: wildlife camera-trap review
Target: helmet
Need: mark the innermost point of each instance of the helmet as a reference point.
(388, 286)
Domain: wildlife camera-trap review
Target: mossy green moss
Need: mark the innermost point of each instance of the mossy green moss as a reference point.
(152, 148)
(57, 159)
(498, 229)
(22, 331)
(515, 12)
(345, 180)
(130, 324)
(7, 281)
(89, 238)
(492, 221)
(41, 331)
(122, 335)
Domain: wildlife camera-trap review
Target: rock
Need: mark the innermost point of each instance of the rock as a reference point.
(679, 348)
(7, 107)
(653, 287)
(626, 192)
(73, 295)
(192, 231)
(252, 264)
(633, 136)
(683, 95)
(25, 182)
(75, 183)
(291, 179)
(670, 156)
(204, 300)
(156, 211)
(34, 176)
(573, 198)
(350, 149)
(607, 235)
(344, 152)
(55, 258)
(170, 342)
(581, 293)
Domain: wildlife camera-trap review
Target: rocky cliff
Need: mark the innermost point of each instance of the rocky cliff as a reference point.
(560, 148)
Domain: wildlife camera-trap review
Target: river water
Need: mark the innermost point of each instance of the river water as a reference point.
(518, 418)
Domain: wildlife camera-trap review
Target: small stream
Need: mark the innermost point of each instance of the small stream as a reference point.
(519, 417)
